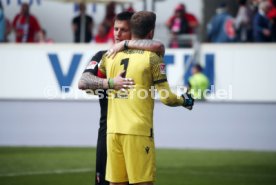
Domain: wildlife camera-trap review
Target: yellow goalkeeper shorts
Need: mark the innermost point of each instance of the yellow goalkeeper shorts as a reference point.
(130, 158)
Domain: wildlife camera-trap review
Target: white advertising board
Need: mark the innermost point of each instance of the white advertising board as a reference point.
(38, 71)
(248, 69)
(238, 72)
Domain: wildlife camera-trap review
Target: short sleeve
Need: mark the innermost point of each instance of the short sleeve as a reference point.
(158, 69)
(102, 66)
(92, 66)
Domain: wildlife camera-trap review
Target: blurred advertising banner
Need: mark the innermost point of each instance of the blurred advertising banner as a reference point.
(51, 71)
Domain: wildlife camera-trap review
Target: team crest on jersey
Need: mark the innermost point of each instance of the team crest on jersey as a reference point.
(162, 68)
(92, 65)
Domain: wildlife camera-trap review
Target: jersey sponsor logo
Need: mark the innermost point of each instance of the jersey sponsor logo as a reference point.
(162, 68)
(92, 65)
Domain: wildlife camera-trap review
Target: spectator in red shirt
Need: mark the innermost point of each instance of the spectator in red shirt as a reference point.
(181, 23)
(26, 26)
(180, 12)
(102, 35)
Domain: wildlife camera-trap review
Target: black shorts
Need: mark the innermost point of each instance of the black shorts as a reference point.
(101, 157)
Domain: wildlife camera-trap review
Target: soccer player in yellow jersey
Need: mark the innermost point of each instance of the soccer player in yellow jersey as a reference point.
(130, 143)
(90, 81)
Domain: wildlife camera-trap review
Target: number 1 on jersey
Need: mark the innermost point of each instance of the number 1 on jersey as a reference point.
(125, 63)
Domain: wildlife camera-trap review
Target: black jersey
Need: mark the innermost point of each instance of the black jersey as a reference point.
(101, 153)
(93, 68)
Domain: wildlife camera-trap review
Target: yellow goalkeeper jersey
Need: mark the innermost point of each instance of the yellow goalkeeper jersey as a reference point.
(131, 111)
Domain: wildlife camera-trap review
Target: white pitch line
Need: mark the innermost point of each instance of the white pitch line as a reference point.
(216, 173)
(84, 170)
(60, 171)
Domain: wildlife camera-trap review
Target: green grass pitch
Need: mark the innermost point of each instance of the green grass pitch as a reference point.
(75, 166)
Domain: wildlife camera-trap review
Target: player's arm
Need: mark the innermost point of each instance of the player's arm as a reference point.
(92, 82)
(159, 76)
(166, 96)
(149, 45)
(92, 78)
(89, 79)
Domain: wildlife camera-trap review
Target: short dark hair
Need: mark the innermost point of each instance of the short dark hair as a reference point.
(142, 23)
(124, 16)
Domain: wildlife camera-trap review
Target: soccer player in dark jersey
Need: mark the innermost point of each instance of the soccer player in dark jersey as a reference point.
(92, 80)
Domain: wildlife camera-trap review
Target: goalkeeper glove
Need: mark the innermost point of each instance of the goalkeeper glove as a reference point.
(188, 101)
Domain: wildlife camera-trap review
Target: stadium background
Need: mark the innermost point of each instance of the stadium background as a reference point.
(34, 111)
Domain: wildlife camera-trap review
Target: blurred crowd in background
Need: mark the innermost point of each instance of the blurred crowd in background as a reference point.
(254, 22)
(27, 28)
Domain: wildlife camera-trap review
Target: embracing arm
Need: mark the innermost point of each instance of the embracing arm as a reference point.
(90, 78)
(90, 81)
(93, 78)
(149, 45)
